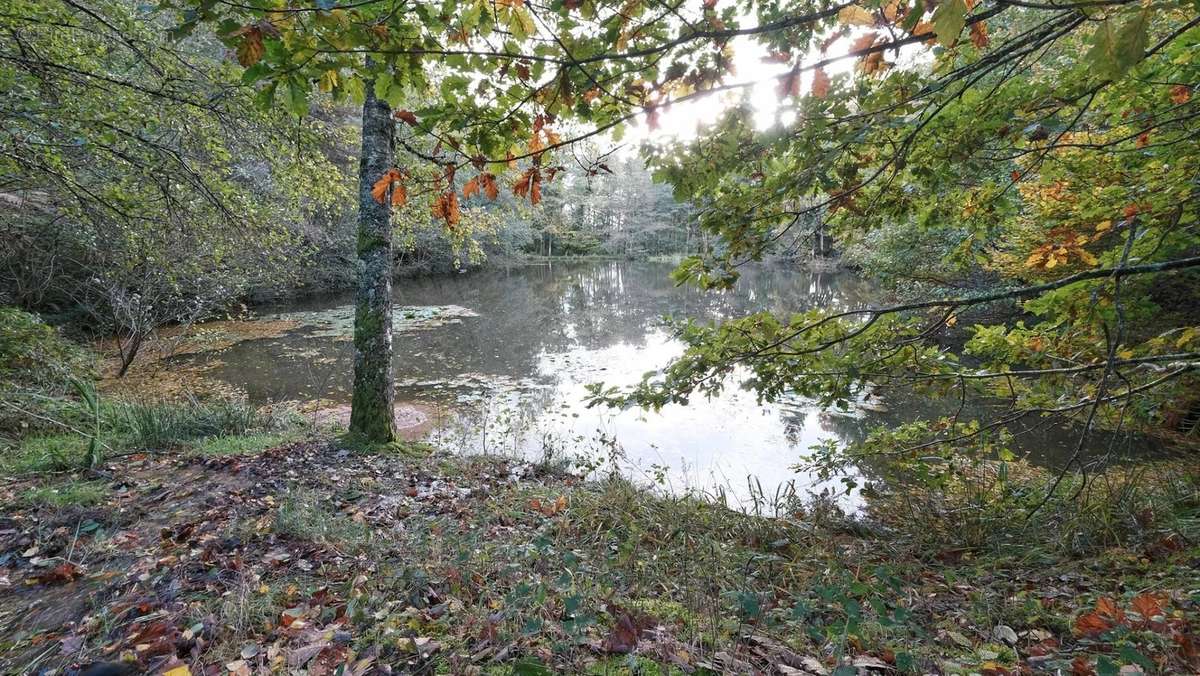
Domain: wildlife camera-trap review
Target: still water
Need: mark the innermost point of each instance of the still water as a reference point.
(502, 357)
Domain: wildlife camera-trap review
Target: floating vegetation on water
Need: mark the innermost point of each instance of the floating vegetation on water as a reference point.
(338, 322)
(472, 386)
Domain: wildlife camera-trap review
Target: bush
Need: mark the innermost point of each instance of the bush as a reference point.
(38, 367)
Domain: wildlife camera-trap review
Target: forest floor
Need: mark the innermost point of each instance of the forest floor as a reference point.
(264, 554)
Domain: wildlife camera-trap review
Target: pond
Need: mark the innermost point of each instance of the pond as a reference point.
(502, 357)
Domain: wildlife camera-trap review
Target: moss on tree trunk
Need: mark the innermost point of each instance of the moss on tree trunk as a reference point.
(371, 407)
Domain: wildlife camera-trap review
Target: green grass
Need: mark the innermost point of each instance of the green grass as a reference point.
(44, 454)
(305, 515)
(163, 425)
(209, 428)
(66, 494)
(238, 444)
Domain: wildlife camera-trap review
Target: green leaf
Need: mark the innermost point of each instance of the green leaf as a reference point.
(1114, 51)
(1130, 654)
(265, 97)
(297, 97)
(948, 21)
(914, 16)
(353, 86)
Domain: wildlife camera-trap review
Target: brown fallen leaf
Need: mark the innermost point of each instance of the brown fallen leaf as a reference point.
(63, 572)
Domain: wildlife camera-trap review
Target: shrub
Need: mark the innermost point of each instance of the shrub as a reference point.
(37, 368)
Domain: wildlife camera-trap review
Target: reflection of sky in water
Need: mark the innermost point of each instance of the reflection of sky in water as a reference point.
(512, 379)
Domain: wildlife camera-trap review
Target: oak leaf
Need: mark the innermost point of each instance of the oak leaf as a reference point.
(529, 184)
(390, 179)
(488, 182)
(820, 83)
(250, 50)
(1147, 605)
(1109, 609)
(1091, 624)
(979, 34)
(853, 15)
(445, 207)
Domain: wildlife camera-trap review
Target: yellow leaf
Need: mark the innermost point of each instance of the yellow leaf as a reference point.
(853, 15)
(328, 81)
(1102, 226)
(1087, 257)
(891, 10)
(181, 670)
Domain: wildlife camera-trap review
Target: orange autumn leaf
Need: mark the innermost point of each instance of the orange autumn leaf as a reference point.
(979, 34)
(548, 507)
(925, 28)
(1109, 609)
(445, 207)
(251, 48)
(1082, 666)
(820, 83)
(873, 63)
(490, 188)
(529, 185)
(407, 117)
(1091, 624)
(864, 41)
(390, 178)
(1147, 605)
(471, 188)
(1181, 94)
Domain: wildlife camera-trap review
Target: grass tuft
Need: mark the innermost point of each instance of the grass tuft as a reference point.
(240, 444)
(67, 494)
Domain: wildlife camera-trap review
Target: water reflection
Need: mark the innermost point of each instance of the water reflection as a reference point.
(508, 373)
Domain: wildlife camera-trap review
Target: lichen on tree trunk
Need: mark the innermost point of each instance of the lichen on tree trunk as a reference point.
(374, 390)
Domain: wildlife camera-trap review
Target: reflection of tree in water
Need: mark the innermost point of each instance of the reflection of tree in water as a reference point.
(1045, 442)
(524, 313)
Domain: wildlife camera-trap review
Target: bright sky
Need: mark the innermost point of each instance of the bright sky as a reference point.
(682, 121)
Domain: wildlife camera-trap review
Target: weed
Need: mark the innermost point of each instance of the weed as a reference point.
(242, 444)
(66, 494)
(304, 515)
(44, 454)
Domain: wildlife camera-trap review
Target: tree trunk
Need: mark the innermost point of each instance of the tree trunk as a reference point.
(129, 351)
(371, 416)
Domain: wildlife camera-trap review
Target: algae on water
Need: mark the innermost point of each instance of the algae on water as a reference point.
(338, 322)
